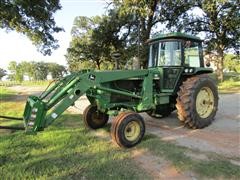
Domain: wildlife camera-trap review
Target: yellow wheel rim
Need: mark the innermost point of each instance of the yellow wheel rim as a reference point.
(132, 131)
(205, 102)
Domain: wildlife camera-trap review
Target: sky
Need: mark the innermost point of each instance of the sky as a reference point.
(17, 47)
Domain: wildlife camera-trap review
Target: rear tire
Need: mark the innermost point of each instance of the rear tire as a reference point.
(127, 129)
(197, 101)
(93, 118)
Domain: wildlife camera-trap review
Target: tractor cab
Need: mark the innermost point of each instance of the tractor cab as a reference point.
(175, 49)
(175, 56)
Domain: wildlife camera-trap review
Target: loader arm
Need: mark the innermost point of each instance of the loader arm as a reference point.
(41, 111)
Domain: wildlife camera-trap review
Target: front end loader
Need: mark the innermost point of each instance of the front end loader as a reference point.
(175, 79)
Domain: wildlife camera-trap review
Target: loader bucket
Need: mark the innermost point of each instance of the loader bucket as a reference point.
(34, 114)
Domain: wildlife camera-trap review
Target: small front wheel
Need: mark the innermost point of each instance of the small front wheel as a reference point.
(128, 129)
(93, 118)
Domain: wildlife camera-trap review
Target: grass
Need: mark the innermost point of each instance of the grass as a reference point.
(214, 167)
(65, 150)
(229, 86)
(8, 107)
(231, 83)
(24, 83)
(5, 93)
(64, 153)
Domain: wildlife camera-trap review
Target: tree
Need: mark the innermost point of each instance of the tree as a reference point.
(232, 63)
(41, 71)
(147, 16)
(16, 71)
(56, 70)
(35, 70)
(125, 28)
(2, 73)
(29, 69)
(33, 19)
(85, 45)
(220, 21)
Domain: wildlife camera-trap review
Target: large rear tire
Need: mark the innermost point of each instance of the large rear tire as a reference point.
(127, 129)
(93, 118)
(197, 101)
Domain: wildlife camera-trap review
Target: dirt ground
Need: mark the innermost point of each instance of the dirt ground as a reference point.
(221, 137)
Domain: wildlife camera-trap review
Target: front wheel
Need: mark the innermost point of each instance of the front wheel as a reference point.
(128, 129)
(93, 118)
(197, 101)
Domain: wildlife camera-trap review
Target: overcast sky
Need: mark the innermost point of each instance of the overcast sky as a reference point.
(14, 46)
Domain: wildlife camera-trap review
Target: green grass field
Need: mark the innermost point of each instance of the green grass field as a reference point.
(227, 87)
(65, 150)
(231, 83)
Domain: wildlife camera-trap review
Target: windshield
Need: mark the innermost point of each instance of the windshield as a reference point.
(165, 54)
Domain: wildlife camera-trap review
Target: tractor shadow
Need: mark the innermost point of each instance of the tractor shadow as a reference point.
(13, 98)
(168, 128)
(168, 123)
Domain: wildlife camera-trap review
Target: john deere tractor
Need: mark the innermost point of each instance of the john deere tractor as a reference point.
(175, 79)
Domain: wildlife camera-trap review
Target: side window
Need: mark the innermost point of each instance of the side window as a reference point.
(191, 54)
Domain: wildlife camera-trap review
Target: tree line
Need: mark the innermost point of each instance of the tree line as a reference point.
(33, 71)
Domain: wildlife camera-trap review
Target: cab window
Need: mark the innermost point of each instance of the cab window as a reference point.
(191, 54)
(167, 53)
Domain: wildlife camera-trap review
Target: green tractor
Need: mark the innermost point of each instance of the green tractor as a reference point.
(175, 79)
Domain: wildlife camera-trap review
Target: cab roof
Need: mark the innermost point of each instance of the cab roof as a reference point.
(176, 35)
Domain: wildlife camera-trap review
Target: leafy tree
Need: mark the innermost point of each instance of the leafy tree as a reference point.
(147, 16)
(16, 71)
(41, 71)
(127, 25)
(232, 62)
(33, 19)
(56, 70)
(84, 45)
(220, 21)
(2, 73)
(29, 69)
